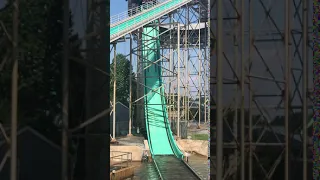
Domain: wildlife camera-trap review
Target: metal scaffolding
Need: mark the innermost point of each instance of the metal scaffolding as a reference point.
(11, 140)
(96, 59)
(184, 62)
(260, 69)
(260, 85)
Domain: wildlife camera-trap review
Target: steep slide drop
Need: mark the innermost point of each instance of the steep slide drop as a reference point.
(160, 137)
(167, 156)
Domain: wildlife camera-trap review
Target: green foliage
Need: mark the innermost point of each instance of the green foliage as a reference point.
(31, 45)
(40, 44)
(122, 80)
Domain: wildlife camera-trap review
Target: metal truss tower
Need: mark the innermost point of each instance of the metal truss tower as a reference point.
(260, 84)
(184, 62)
(94, 150)
(97, 90)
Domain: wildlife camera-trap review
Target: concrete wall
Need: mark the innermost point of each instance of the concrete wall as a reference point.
(198, 146)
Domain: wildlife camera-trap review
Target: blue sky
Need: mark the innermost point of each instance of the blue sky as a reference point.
(117, 7)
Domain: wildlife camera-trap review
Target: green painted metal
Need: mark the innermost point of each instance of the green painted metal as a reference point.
(160, 137)
(125, 25)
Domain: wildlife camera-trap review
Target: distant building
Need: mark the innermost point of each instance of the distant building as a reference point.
(122, 120)
(38, 157)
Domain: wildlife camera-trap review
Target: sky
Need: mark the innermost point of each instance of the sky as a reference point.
(117, 7)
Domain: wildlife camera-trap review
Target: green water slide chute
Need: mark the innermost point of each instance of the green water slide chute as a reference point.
(160, 137)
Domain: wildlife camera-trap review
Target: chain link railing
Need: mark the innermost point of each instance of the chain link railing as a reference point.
(121, 25)
(134, 11)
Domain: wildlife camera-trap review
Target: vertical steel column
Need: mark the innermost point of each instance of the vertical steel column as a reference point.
(178, 79)
(65, 90)
(242, 146)
(219, 111)
(209, 62)
(188, 68)
(186, 87)
(171, 109)
(206, 70)
(173, 94)
(183, 80)
(114, 91)
(140, 74)
(250, 86)
(199, 71)
(305, 85)
(287, 85)
(14, 92)
(205, 65)
(130, 89)
(236, 88)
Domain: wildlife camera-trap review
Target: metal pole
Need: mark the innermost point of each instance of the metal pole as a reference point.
(219, 119)
(65, 90)
(206, 78)
(14, 92)
(199, 72)
(205, 82)
(183, 76)
(178, 79)
(139, 115)
(173, 94)
(186, 91)
(130, 89)
(305, 85)
(236, 93)
(114, 92)
(188, 68)
(209, 69)
(171, 110)
(287, 85)
(250, 86)
(242, 147)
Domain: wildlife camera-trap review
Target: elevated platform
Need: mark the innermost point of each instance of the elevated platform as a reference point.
(192, 34)
(124, 23)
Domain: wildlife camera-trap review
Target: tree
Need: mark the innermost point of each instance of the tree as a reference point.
(123, 80)
(40, 44)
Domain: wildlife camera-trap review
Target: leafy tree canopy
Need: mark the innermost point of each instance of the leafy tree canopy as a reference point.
(40, 46)
(123, 80)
